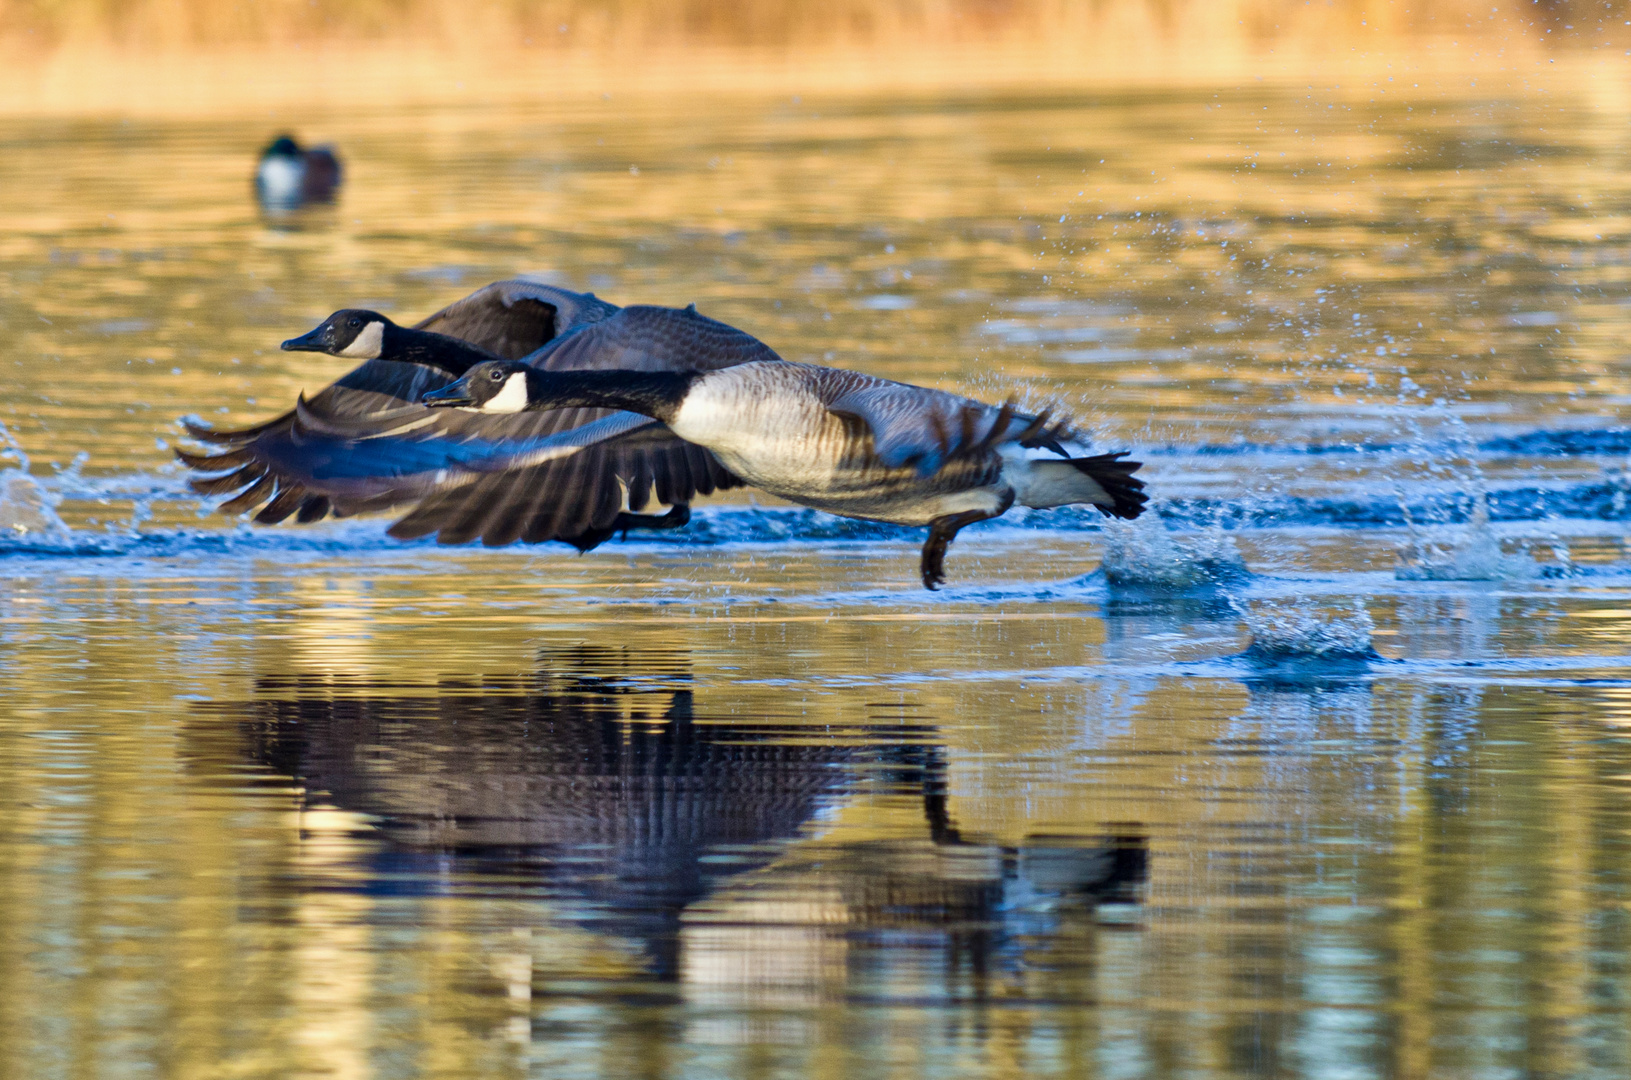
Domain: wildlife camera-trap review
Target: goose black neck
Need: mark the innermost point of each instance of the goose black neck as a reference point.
(656, 394)
(439, 351)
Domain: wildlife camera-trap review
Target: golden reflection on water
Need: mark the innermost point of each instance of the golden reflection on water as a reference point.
(763, 809)
(1311, 848)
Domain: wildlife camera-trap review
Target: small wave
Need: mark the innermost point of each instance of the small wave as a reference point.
(1607, 500)
(130, 542)
(1144, 554)
(1565, 443)
(1302, 631)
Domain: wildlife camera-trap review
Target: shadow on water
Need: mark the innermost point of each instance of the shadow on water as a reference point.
(595, 785)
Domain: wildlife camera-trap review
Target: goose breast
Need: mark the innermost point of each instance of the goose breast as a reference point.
(769, 424)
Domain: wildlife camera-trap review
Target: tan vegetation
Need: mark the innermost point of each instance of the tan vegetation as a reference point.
(192, 55)
(650, 24)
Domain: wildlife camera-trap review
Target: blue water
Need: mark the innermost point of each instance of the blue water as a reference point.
(1319, 769)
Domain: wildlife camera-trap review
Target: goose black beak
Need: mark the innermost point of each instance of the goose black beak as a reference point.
(453, 394)
(311, 341)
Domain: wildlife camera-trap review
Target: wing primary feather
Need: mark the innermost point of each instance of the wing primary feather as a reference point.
(223, 436)
(605, 509)
(1035, 428)
(313, 509)
(257, 493)
(506, 522)
(288, 500)
(639, 484)
(220, 485)
(216, 462)
(999, 426)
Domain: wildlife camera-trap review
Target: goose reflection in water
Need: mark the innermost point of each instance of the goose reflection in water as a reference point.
(593, 784)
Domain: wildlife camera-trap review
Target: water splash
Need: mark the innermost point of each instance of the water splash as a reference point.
(1143, 554)
(28, 515)
(1301, 630)
(1474, 555)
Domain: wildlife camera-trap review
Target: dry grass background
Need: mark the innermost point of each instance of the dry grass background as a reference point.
(787, 24)
(221, 55)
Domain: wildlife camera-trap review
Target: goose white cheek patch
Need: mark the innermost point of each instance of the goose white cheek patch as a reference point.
(367, 345)
(511, 399)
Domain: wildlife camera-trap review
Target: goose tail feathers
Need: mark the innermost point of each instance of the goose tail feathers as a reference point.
(1104, 480)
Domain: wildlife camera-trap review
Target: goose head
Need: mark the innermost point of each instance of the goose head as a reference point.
(350, 332)
(495, 386)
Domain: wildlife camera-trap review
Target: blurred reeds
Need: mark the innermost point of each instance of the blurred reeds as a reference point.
(210, 54)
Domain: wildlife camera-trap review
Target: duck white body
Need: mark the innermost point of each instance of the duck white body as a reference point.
(279, 179)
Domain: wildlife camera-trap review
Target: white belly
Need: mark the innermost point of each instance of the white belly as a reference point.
(777, 435)
(280, 179)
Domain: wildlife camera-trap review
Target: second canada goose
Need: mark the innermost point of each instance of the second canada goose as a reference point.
(301, 465)
(840, 441)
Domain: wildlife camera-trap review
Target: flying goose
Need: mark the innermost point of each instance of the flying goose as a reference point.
(288, 176)
(840, 441)
(296, 465)
(618, 406)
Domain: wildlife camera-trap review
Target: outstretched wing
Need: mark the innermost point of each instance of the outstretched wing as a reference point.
(517, 317)
(581, 495)
(364, 444)
(923, 428)
(511, 318)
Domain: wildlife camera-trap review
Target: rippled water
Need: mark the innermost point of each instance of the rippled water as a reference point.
(1323, 771)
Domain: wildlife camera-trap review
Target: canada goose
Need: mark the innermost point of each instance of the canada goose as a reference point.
(289, 176)
(295, 465)
(358, 333)
(839, 441)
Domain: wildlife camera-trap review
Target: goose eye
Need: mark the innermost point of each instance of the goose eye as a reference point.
(356, 322)
(496, 375)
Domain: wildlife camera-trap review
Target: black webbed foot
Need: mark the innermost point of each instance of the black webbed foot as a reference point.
(677, 517)
(941, 532)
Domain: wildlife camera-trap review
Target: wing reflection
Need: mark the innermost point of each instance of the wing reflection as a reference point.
(593, 783)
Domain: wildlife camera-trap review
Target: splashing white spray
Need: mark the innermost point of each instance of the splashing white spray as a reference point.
(1474, 555)
(27, 511)
(1299, 629)
(1143, 554)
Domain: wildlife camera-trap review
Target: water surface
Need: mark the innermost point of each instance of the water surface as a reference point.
(1319, 771)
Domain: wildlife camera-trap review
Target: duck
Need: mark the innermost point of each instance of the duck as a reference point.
(289, 176)
(296, 465)
(841, 441)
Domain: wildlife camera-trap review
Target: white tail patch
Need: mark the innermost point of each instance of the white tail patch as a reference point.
(1042, 484)
(368, 344)
(511, 399)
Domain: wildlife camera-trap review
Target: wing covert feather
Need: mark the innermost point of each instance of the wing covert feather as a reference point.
(517, 317)
(924, 428)
(364, 444)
